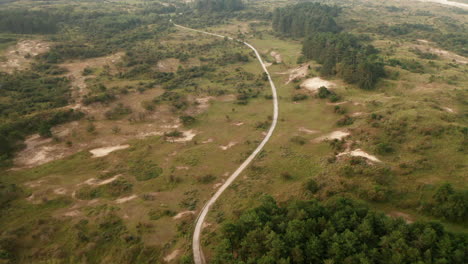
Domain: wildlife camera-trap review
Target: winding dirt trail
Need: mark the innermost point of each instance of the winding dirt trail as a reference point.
(198, 255)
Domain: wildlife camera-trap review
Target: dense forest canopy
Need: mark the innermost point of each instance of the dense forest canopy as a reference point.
(342, 54)
(219, 5)
(305, 19)
(340, 231)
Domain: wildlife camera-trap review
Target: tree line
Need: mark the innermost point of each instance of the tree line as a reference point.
(339, 53)
(219, 5)
(304, 19)
(339, 231)
(343, 55)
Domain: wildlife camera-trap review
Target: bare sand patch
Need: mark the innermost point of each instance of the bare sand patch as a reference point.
(239, 123)
(276, 56)
(60, 191)
(172, 256)
(298, 73)
(78, 80)
(203, 103)
(207, 141)
(182, 214)
(338, 103)
(448, 109)
(313, 84)
(359, 153)
(182, 168)
(20, 56)
(126, 199)
(186, 136)
(34, 184)
(102, 152)
(333, 135)
(308, 131)
(228, 146)
(168, 65)
(73, 213)
(425, 46)
(396, 214)
(96, 182)
(357, 114)
(217, 185)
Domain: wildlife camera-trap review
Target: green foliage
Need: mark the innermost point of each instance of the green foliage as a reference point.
(219, 5)
(29, 21)
(343, 55)
(114, 189)
(8, 193)
(205, 179)
(340, 231)
(299, 97)
(118, 112)
(448, 203)
(305, 19)
(145, 170)
(187, 120)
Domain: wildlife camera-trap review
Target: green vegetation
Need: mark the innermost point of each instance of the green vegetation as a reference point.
(305, 19)
(340, 231)
(219, 5)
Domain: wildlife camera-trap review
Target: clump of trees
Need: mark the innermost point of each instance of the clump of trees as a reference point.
(340, 231)
(305, 19)
(448, 203)
(343, 55)
(219, 5)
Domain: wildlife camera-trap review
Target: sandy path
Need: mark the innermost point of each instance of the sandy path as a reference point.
(447, 2)
(198, 256)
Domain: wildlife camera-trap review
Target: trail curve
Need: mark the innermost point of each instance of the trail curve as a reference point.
(198, 255)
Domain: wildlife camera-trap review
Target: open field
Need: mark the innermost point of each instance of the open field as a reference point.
(169, 114)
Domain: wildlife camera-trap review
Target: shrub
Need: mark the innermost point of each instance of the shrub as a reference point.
(299, 97)
(145, 170)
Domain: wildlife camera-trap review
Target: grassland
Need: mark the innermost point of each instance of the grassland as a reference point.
(61, 209)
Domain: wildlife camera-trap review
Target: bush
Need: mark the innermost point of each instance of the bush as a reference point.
(298, 140)
(145, 170)
(299, 97)
(311, 186)
(187, 120)
(345, 121)
(206, 178)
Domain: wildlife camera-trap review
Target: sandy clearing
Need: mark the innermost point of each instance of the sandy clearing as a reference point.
(172, 256)
(239, 123)
(313, 84)
(78, 80)
(207, 141)
(448, 109)
(215, 186)
(308, 131)
(102, 152)
(60, 191)
(228, 146)
(333, 135)
(447, 2)
(96, 182)
(73, 213)
(357, 114)
(187, 136)
(339, 103)
(34, 184)
(276, 56)
(268, 64)
(126, 199)
(182, 168)
(359, 153)
(168, 65)
(20, 56)
(426, 46)
(182, 214)
(203, 103)
(298, 73)
(396, 214)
